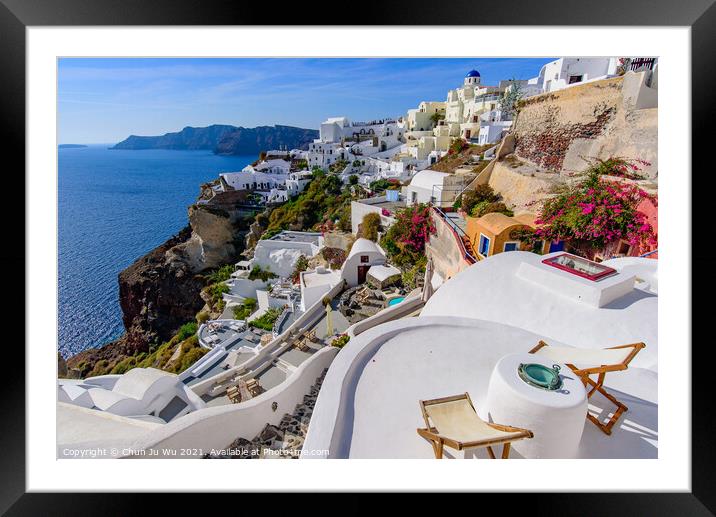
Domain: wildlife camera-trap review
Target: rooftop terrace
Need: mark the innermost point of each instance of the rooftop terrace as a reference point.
(368, 405)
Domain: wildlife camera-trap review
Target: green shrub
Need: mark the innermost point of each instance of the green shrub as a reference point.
(486, 207)
(216, 292)
(370, 226)
(189, 358)
(481, 193)
(202, 317)
(267, 320)
(186, 330)
(222, 274)
(299, 267)
(257, 273)
(244, 310)
(124, 365)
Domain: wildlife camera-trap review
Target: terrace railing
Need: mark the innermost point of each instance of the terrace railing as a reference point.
(463, 241)
(642, 63)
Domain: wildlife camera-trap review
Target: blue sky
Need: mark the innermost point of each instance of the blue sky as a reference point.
(104, 100)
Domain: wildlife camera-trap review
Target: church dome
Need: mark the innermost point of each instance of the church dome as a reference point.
(473, 73)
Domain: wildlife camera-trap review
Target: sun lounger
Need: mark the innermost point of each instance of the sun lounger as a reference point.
(453, 422)
(586, 361)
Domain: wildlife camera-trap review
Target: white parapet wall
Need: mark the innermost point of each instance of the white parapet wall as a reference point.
(217, 427)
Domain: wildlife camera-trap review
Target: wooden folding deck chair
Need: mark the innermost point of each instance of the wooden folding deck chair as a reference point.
(233, 394)
(453, 422)
(604, 360)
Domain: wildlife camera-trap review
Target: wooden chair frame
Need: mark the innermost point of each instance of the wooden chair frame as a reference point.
(439, 441)
(598, 384)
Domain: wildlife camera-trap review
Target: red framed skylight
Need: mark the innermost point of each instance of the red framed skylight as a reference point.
(579, 266)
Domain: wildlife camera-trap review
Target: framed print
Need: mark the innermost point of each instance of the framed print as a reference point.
(429, 239)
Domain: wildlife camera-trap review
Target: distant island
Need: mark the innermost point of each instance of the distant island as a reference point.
(225, 140)
(71, 146)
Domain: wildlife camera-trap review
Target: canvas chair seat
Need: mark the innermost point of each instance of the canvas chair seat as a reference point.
(453, 422)
(599, 362)
(458, 420)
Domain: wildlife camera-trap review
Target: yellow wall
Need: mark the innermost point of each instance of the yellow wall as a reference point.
(497, 241)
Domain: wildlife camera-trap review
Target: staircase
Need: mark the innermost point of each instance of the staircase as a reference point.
(287, 436)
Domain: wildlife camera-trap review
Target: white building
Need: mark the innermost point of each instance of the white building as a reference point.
(385, 206)
(276, 166)
(438, 188)
(486, 316)
(341, 139)
(568, 71)
(421, 118)
(315, 284)
(297, 182)
(279, 253)
(363, 255)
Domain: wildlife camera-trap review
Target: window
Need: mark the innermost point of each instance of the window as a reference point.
(510, 246)
(484, 247)
(624, 248)
(575, 79)
(364, 259)
(579, 266)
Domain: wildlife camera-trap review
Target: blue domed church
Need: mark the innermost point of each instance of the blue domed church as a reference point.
(472, 78)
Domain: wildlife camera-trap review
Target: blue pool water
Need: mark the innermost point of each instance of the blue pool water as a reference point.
(395, 301)
(113, 207)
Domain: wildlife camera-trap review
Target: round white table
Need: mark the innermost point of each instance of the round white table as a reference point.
(555, 417)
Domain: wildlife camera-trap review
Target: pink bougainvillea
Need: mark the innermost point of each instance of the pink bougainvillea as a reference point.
(596, 212)
(414, 227)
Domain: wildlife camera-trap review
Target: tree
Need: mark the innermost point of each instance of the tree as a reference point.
(370, 226)
(353, 179)
(437, 117)
(511, 98)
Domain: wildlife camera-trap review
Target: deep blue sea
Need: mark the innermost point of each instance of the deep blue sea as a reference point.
(115, 206)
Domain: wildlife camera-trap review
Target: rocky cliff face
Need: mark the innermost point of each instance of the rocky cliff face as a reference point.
(161, 290)
(223, 139)
(244, 141)
(189, 138)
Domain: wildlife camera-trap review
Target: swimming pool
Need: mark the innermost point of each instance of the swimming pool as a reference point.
(395, 301)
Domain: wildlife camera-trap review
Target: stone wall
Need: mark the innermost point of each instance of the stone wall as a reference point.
(560, 131)
(444, 250)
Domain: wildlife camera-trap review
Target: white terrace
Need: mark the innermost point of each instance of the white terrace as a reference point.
(368, 405)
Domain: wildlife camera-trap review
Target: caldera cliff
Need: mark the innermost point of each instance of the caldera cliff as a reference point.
(161, 290)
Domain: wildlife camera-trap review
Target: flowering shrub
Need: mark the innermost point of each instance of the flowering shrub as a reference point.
(341, 341)
(457, 145)
(595, 212)
(616, 166)
(414, 227)
(405, 239)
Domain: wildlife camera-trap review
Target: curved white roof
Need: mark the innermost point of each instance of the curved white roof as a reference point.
(137, 381)
(382, 272)
(427, 179)
(365, 246)
(507, 296)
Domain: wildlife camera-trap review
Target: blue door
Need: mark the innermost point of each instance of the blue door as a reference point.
(556, 246)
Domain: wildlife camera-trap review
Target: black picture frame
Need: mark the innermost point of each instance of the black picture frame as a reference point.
(699, 15)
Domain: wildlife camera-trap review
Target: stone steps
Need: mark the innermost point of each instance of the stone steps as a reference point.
(287, 436)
